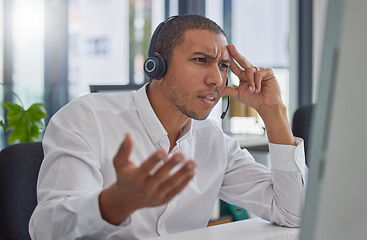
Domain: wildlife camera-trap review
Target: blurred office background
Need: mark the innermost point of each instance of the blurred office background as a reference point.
(52, 50)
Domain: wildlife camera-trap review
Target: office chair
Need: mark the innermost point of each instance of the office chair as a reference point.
(114, 88)
(20, 165)
(301, 124)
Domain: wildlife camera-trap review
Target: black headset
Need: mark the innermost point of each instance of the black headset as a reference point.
(228, 103)
(155, 66)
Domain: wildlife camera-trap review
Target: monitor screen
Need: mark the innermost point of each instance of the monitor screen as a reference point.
(335, 205)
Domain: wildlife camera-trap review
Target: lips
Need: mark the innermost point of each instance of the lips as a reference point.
(209, 98)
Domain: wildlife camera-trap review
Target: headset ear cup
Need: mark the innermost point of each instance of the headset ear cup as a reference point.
(155, 67)
(162, 67)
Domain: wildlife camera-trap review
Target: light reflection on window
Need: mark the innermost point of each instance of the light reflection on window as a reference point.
(28, 50)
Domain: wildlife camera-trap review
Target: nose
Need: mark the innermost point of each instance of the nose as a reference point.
(215, 76)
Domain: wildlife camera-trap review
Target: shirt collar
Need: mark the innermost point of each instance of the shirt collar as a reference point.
(185, 130)
(150, 121)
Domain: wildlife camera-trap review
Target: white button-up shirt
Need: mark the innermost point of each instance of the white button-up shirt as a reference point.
(83, 137)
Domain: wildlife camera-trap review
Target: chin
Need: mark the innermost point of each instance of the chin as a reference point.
(202, 115)
(199, 117)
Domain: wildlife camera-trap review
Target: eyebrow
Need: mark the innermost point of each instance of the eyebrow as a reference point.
(211, 57)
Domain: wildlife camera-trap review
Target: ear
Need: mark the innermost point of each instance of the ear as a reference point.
(165, 64)
(153, 81)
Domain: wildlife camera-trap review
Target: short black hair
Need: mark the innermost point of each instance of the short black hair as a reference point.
(173, 31)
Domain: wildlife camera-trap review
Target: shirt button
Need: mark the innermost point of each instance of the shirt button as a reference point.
(287, 157)
(161, 224)
(91, 227)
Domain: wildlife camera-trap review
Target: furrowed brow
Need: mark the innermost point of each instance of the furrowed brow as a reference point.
(204, 55)
(226, 61)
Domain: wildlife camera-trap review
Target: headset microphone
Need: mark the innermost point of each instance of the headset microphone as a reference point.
(228, 103)
(227, 108)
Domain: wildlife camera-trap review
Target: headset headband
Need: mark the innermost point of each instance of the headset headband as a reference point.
(155, 35)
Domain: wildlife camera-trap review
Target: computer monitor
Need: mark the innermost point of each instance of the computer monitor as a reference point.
(336, 198)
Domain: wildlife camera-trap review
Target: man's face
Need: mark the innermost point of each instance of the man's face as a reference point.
(197, 73)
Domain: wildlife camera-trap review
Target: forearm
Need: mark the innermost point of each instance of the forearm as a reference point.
(277, 124)
(275, 195)
(289, 175)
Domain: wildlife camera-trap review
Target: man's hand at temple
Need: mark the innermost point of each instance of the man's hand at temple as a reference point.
(259, 89)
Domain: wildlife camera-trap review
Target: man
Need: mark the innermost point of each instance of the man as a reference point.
(172, 164)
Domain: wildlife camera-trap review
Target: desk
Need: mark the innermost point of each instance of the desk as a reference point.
(252, 229)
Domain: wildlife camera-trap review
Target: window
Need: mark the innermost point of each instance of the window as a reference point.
(98, 44)
(260, 31)
(23, 52)
(108, 42)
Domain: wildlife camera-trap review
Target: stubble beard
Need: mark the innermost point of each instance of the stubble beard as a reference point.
(177, 97)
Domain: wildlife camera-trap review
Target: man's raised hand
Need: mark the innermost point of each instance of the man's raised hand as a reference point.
(145, 185)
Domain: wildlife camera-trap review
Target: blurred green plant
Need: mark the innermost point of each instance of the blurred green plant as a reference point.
(24, 124)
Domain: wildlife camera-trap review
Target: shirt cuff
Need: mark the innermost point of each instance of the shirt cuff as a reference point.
(287, 157)
(92, 220)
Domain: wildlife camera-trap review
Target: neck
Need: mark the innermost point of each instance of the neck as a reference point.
(172, 119)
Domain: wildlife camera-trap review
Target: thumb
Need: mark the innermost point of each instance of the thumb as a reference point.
(122, 156)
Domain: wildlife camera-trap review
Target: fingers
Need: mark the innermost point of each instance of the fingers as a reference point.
(258, 77)
(241, 60)
(177, 182)
(148, 185)
(178, 186)
(249, 72)
(161, 186)
(147, 166)
(254, 77)
(245, 71)
(164, 172)
(153, 177)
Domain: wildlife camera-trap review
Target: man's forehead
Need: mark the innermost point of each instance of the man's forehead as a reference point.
(204, 35)
(208, 42)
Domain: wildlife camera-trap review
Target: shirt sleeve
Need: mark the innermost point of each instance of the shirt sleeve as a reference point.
(70, 180)
(275, 194)
(287, 157)
(71, 218)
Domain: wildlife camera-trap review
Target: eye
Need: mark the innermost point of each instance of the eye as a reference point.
(200, 59)
(224, 66)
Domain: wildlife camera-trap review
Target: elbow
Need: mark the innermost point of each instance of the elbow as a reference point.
(288, 219)
(292, 222)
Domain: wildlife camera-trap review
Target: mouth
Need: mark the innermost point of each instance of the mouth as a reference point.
(209, 99)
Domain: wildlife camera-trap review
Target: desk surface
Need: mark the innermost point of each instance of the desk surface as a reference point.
(253, 229)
